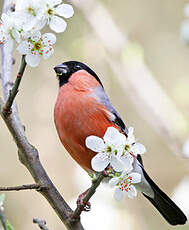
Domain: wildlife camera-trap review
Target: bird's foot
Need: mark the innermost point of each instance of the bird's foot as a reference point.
(85, 206)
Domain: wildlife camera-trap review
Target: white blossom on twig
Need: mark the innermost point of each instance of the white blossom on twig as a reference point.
(108, 150)
(52, 12)
(36, 46)
(117, 151)
(25, 23)
(124, 184)
(9, 31)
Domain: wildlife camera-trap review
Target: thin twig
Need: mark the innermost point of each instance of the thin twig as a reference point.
(22, 187)
(14, 90)
(41, 223)
(76, 214)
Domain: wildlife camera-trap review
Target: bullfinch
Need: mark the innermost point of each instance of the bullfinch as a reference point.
(83, 109)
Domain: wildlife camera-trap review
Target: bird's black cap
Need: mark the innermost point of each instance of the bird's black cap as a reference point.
(66, 69)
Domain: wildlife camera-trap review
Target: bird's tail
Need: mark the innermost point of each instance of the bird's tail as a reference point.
(168, 209)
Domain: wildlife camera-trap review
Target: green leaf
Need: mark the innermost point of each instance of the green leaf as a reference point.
(9, 226)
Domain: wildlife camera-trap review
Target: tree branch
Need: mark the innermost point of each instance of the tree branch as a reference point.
(22, 187)
(14, 90)
(41, 223)
(28, 154)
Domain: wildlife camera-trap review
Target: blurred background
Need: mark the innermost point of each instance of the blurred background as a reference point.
(136, 50)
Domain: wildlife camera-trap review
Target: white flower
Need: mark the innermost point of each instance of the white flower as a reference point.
(124, 185)
(10, 30)
(109, 149)
(37, 46)
(127, 161)
(131, 138)
(51, 9)
(29, 13)
(137, 149)
(131, 146)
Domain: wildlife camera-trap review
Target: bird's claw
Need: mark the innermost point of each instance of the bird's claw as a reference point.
(85, 206)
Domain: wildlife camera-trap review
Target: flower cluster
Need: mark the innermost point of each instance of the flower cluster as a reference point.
(184, 30)
(25, 23)
(117, 152)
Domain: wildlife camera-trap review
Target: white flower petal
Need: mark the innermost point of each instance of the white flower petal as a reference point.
(23, 47)
(99, 162)
(111, 136)
(127, 162)
(120, 150)
(132, 192)
(29, 22)
(5, 18)
(121, 140)
(9, 45)
(118, 194)
(55, 2)
(95, 143)
(136, 178)
(36, 36)
(130, 131)
(47, 52)
(28, 34)
(114, 181)
(137, 149)
(52, 3)
(65, 10)
(40, 23)
(57, 24)
(131, 137)
(141, 148)
(123, 173)
(116, 164)
(16, 35)
(32, 59)
(48, 39)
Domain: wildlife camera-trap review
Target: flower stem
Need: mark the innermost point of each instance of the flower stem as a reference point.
(14, 90)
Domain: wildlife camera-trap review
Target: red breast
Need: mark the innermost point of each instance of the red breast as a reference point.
(78, 115)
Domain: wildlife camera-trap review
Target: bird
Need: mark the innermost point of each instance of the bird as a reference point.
(82, 109)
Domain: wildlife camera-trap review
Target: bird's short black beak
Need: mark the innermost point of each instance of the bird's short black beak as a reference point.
(61, 69)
